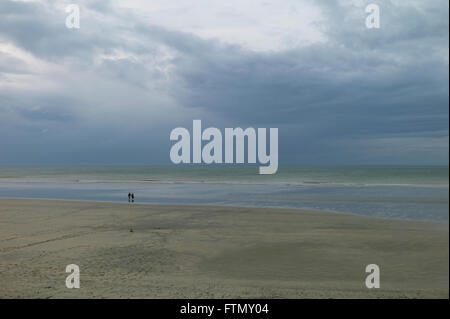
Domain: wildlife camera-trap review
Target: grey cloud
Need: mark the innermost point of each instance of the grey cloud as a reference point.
(375, 86)
(51, 113)
(42, 31)
(366, 81)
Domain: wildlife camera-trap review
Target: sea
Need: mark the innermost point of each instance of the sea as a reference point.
(399, 192)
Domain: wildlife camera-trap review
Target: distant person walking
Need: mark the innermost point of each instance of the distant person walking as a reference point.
(132, 197)
(129, 197)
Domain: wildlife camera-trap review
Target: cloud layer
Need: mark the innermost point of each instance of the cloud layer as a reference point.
(111, 91)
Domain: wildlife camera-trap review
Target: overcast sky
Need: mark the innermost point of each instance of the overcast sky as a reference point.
(111, 91)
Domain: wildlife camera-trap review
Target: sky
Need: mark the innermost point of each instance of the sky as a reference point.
(110, 92)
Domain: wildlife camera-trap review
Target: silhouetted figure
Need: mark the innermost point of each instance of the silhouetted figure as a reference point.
(132, 197)
(129, 197)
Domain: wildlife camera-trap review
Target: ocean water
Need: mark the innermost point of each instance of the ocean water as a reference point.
(405, 192)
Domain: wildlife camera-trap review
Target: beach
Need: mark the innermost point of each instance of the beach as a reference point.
(209, 251)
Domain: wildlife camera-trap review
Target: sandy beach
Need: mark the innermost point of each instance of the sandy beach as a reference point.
(192, 251)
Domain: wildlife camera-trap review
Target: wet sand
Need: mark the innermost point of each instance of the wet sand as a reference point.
(195, 251)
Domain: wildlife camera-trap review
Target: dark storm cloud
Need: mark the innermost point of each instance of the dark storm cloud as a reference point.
(334, 100)
(364, 81)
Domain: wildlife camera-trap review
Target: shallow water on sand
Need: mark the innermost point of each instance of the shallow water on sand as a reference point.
(392, 192)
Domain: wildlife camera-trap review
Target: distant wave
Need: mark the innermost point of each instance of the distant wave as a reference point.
(212, 181)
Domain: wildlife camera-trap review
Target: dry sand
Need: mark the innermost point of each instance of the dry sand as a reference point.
(187, 251)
